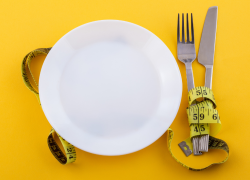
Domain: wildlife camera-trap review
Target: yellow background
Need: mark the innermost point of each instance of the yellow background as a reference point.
(26, 25)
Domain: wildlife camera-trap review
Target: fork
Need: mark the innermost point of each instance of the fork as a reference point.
(186, 54)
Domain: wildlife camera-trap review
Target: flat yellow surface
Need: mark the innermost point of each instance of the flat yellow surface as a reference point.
(26, 25)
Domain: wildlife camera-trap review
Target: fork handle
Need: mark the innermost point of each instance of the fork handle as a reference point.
(190, 76)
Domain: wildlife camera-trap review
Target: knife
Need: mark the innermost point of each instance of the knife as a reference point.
(206, 56)
(207, 44)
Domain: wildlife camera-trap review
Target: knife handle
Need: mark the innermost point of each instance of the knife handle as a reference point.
(190, 76)
(208, 77)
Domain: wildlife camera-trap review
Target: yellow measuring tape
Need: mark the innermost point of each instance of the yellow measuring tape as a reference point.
(53, 146)
(202, 117)
(203, 114)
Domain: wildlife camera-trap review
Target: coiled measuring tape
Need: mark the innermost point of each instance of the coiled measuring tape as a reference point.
(203, 119)
(200, 116)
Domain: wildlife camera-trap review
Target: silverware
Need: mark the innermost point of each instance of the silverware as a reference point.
(206, 57)
(186, 54)
(186, 50)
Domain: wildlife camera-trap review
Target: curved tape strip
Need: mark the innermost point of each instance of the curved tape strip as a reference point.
(214, 143)
(54, 148)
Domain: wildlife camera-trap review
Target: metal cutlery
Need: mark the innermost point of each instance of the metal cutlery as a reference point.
(186, 54)
(206, 57)
(186, 50)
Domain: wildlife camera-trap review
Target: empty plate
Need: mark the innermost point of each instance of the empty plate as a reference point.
(110, 87)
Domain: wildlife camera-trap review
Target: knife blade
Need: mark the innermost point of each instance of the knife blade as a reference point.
(207, 44)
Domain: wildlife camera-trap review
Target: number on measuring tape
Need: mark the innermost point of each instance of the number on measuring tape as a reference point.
(201, 116)
(199, 128)
(195, 116)
(196, 129)
(198, 92)
(202, 128)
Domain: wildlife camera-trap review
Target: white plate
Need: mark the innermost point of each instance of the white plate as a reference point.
(110, 87)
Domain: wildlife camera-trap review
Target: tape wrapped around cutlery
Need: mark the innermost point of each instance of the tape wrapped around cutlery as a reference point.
(203, 119)
(203, 113)
(199, 116)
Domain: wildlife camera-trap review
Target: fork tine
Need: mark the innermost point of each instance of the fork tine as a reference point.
(192, 28)
(183, 33)
(178, 29)
(187, 30)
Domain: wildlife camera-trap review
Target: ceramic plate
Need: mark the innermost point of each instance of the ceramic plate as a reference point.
(110, 87)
